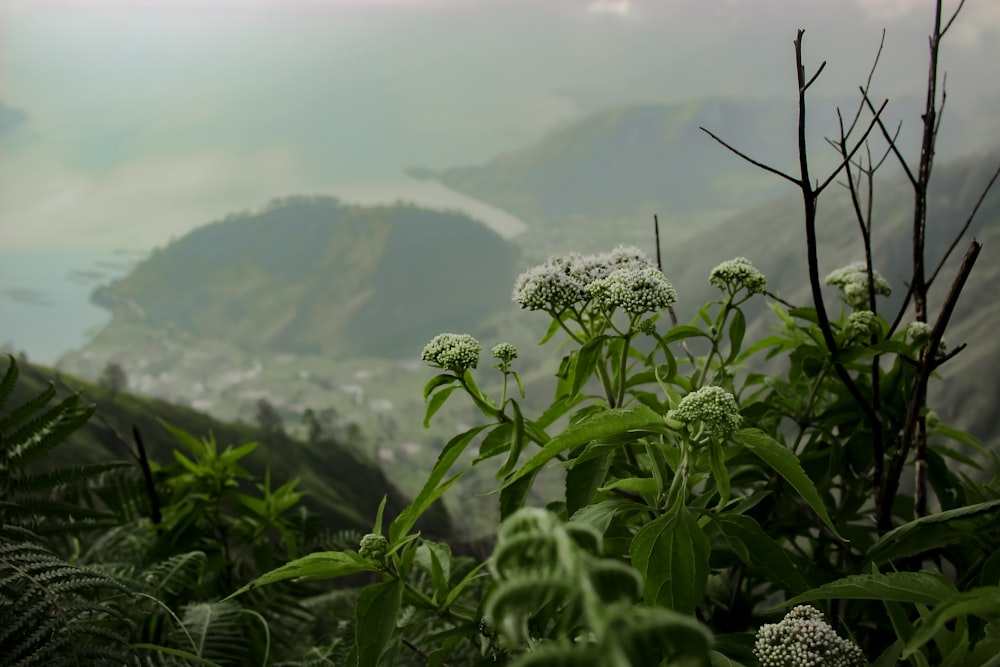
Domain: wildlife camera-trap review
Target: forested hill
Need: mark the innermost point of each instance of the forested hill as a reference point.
(343, 485)
(316, 276)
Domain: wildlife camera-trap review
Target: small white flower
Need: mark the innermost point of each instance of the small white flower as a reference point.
(804, 638)
(634, 290)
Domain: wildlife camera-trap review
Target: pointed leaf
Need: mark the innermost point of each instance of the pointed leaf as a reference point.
(600, 425)
(915, 587)
(671, 552)
(376, 612)
(319, 565)
(786, 464)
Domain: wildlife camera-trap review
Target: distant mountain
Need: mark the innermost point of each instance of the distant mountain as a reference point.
(315, 276)
(343, 485)
(10, 118)
(625, 164)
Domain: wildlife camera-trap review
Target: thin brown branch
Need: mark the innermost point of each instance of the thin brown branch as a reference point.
(952, 19)
(751, 160)
(815, 76)
(857, 146)
(868, 83)
(891, 140)
(965, 227)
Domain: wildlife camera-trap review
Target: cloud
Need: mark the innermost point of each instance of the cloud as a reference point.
(610, 7)
(973, 24)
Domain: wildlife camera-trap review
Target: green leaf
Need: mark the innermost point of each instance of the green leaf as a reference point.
(586, 362)
(759, 552)
(786, 464)
(583, 480)
(377, 528)
(516, 443)
(553, 328)
(983, 602)
(681, 332)
(642, 485)
(512, 495)
(915, 587)
(737, 329)
(437, 400)
(319, 565)
(376, 612)
(671, 552)
(437, 381)
(600, 425)
(927, 532)
(404, 522)
(461, 586)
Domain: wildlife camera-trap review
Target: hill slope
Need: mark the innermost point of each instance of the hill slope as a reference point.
(625, 164)
(312, 275)
(343, 485)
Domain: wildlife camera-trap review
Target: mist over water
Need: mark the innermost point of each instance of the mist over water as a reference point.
(141, 121)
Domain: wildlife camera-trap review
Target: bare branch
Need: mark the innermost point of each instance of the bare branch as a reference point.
(952, 19)
(965, 227)
(892, 141)
(847, 159)
(814, 76)
(868, 83)
(751, 160)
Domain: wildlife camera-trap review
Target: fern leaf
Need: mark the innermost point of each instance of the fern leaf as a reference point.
(31, 445)
(8, 381)
(26, 410)
(64, 477)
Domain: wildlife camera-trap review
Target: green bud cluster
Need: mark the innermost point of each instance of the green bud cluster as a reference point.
(505, 352)
(373, 547)
(633, 290)
(453, 352)
(738, 273)
(714, 407)
(862, 324)
(853, 282)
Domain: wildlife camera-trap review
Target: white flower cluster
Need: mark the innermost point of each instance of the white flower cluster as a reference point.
(561, 281)
(738, 273)
(714, 407)
(453, 352)
(862, 324)
(804, 639)
(634, 290)
(853, 282)
(505, 352)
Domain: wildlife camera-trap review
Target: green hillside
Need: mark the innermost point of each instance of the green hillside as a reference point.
(343, 485)
(313, 275)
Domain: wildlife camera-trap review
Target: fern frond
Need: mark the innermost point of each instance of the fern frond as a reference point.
(215, 630)
(64, 477)
(54, 613)
(175, 575)
(26, 410)
(8, 381)
(33, 441)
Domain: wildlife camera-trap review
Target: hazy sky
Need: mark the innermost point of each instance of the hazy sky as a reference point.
(142, 119)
